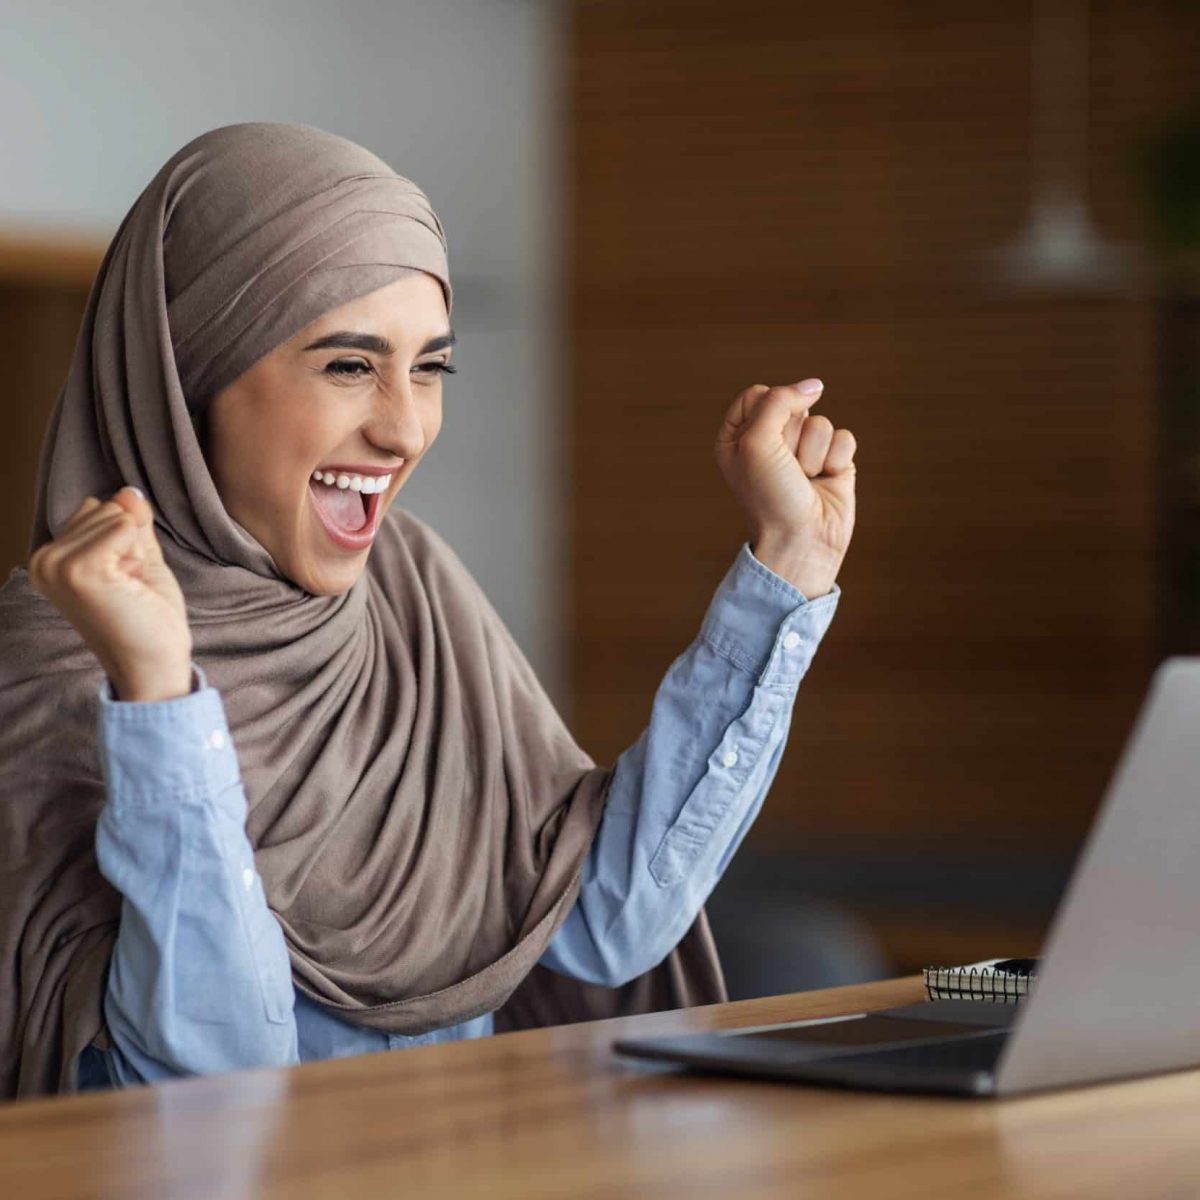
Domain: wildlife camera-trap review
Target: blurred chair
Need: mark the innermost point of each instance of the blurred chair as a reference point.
(775, 938)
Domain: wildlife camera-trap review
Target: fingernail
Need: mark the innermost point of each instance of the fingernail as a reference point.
(810, 387)
(140, 494)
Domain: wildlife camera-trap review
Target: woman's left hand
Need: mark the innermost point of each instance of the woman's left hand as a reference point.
(794, 475)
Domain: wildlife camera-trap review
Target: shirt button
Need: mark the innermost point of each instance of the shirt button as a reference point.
(216, 739)
(247, 879)
(791, 640)
(730, 758)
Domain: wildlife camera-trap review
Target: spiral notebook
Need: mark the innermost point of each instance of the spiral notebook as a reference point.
(1004, 979)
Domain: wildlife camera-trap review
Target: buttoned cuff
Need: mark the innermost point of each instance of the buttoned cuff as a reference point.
(761, 623)
(162, 748)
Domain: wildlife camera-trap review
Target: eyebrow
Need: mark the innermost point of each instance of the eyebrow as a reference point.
(375, 344)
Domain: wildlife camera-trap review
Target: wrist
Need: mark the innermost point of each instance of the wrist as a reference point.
(148, 686)
(810, 570)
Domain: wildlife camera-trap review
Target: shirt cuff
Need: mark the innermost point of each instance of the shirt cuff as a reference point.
(761, 623)
(153, 749)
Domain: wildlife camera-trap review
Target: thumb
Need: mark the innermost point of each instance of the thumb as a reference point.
(779, 409)
(132, 500)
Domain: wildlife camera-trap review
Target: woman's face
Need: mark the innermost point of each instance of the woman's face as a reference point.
(360, 387)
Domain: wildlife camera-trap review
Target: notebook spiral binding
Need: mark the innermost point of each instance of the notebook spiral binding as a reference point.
(975, 983)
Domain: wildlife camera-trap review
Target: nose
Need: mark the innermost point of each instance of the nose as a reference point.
(396, 423)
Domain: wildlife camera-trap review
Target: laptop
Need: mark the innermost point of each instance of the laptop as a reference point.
(1115, 994)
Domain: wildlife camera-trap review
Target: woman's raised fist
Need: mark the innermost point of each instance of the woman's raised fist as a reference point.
(794, 475)
(105, 573)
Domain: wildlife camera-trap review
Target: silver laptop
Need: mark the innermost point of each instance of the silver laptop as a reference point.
(1117, 986)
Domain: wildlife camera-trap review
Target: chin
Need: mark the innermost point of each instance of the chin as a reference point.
(331, 583)
(333, 589)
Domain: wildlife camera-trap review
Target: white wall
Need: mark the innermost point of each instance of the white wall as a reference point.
(459, 95)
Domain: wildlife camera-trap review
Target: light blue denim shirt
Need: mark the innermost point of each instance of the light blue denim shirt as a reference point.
(200, 981)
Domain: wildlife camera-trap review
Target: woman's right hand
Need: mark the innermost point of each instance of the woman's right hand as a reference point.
(105, 573)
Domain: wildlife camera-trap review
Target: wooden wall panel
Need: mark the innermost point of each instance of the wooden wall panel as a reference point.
(39, 324)
(766, 191)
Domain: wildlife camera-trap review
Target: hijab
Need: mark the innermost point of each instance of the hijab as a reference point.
(418, 812)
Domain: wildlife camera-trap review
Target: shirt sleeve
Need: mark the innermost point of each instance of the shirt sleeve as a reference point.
(684, 796)
(200, 981)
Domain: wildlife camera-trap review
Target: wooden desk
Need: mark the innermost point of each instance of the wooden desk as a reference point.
(552, 1113)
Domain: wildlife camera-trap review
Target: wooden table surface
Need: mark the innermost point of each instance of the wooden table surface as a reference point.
(553, 1113)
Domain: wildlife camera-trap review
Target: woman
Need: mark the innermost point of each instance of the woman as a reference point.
(333, 809)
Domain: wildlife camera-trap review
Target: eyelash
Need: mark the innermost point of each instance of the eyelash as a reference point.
(334, 368)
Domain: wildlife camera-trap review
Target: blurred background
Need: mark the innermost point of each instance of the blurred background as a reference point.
(979, 224)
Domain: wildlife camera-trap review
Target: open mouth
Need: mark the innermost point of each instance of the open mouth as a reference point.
(348, 516)
(346, 508)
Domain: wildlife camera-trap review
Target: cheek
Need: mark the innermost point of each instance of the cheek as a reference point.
(307, 436)
(267, 433)
(284, 470)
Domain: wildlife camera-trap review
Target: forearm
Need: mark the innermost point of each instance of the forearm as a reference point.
(685, 794)
(200, 980)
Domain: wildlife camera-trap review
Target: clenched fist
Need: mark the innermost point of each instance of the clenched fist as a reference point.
(794, 475)
(105, 573)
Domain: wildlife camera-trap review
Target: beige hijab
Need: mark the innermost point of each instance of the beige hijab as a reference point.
(419, 813)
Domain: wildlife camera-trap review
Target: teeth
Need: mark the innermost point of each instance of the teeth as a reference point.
(357, 483)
